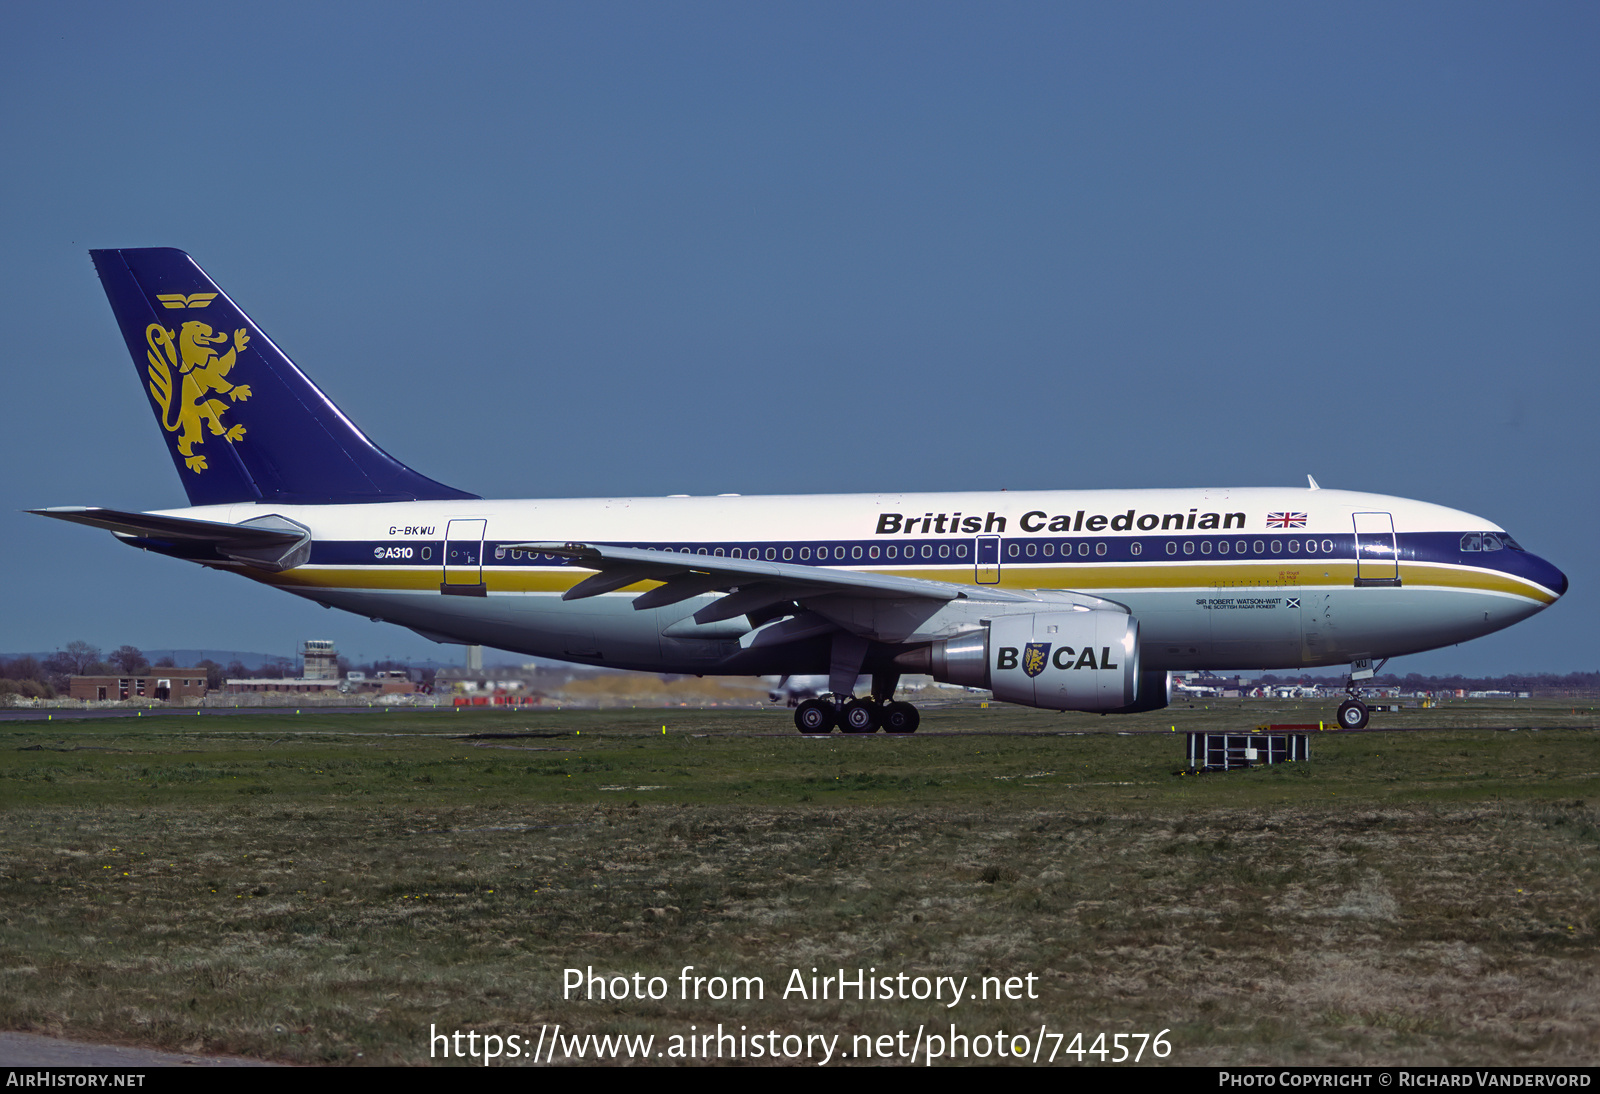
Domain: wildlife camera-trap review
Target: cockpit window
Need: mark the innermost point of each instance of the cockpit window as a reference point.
(1488, 541)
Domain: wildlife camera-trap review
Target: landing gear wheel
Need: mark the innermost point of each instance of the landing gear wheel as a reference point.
(900, 718)
(1353, 714)
(859, 716)
(814, 716)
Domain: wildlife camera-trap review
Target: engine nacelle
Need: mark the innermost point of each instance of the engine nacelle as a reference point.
(1083, 660)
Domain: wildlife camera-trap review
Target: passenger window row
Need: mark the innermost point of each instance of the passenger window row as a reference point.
(1472, 541)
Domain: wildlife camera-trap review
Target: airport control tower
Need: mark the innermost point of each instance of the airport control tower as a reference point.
(321, 659)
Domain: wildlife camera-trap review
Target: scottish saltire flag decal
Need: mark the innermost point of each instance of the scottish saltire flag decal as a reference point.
(1286, 520)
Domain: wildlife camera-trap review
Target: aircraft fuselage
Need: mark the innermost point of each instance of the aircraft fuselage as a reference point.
(1237, 578)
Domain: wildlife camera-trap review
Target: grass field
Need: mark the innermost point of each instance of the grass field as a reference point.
(324, 888)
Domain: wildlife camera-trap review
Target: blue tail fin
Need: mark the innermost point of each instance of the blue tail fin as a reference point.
(242, 422)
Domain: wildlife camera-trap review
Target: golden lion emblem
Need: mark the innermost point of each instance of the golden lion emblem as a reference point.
(190, 351)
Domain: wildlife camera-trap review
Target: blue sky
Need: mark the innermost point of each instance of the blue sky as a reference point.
(571, 250)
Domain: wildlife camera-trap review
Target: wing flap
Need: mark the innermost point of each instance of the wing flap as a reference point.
(747, 599)
(716, 573)
(679, 589)
(609, 581)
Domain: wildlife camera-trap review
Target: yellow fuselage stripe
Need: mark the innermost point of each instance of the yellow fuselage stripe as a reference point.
(1080, 576)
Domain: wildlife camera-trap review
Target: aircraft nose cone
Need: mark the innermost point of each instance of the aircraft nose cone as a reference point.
(1549, 576)
(1560, 587)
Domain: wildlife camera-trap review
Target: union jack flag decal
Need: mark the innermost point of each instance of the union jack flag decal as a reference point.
(1286, 520)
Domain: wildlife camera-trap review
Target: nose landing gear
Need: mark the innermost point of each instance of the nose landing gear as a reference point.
(1353, 714)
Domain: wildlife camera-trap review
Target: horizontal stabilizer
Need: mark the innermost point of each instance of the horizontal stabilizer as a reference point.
(270, 542)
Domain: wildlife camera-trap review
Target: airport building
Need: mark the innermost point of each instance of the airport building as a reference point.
(320, 658)
(160, 683)
(291, 685)
(321, 676)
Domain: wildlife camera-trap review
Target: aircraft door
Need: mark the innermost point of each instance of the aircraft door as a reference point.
(986, 570)
(1377, 559)
(463, 558)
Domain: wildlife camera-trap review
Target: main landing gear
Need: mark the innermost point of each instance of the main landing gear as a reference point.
(851, 714)
(856, 716)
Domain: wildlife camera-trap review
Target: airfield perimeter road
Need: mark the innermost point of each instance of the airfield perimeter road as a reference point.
(37, 1050)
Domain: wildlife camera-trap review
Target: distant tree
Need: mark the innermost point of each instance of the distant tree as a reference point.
(166, 663)
(129, 659)
(83, 654)
(236, 670)
(213, 673)
(56, 668)
(23, 668)
(79, 656)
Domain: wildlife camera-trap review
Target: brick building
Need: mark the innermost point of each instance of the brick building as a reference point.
(159, 683)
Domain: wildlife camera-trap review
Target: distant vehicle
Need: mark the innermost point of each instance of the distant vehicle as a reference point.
(793, 690)
(1068, 600)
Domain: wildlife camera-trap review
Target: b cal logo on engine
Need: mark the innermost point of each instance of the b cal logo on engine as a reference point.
(1035, 656)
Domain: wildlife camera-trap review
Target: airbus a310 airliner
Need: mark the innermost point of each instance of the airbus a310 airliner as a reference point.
(1080, 600)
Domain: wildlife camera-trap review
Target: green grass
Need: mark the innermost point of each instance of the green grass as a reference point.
(323, 887)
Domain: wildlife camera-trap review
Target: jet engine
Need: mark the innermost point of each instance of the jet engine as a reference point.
(1077, 660)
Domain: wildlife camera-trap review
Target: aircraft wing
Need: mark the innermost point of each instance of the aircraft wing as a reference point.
(751, 584)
